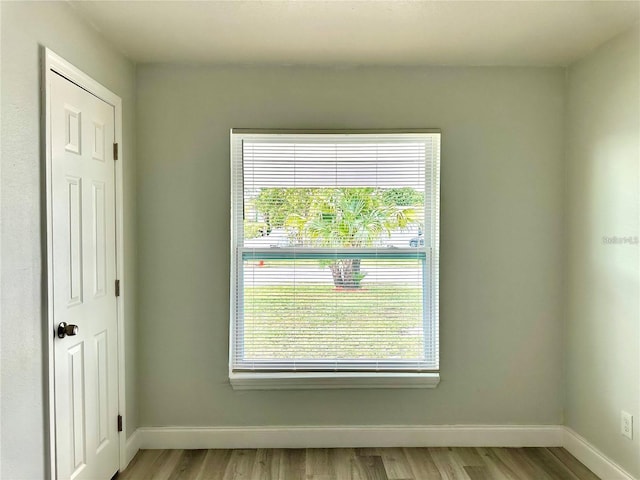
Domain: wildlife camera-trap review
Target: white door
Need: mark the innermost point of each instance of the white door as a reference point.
(84, 273)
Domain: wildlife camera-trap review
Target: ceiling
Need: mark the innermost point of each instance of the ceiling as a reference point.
(346, 33)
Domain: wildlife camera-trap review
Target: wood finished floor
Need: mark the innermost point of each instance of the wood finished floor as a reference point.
(358, 464)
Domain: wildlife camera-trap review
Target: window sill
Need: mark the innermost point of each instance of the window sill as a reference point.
(326, 380)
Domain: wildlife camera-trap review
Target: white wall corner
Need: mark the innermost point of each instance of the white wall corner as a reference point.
(132, 447)
(592, 458)
(350, 436)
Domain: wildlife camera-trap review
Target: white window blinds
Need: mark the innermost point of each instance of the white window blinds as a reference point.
(335, 252)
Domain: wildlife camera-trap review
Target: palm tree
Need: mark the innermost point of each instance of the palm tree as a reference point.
(349, 218)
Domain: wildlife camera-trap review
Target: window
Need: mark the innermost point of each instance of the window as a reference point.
(334, 276)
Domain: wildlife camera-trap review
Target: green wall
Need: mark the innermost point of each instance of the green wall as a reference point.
(602, 351)
(501, 276)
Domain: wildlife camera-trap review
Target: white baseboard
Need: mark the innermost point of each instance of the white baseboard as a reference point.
(351, 436)
(132, 446)
(593, 458)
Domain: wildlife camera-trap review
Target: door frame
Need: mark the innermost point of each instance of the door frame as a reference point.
(53, 64)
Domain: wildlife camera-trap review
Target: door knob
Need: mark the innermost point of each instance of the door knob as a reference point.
(65, 329)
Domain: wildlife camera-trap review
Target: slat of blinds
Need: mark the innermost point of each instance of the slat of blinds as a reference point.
(289, 313)
(334, 165)
(249, 253)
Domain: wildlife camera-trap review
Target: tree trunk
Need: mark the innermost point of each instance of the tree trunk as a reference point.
(346, 273)
(337, 275)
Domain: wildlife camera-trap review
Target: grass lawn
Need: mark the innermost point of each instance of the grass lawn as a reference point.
(319, 322)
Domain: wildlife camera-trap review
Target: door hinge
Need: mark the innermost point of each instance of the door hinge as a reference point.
(115, 151)
(117, 288)
(119, 423)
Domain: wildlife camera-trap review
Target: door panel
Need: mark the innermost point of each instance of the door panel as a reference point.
(84, 272)
(100, 240)
(77, 404)
(102, 373)
(74, 209)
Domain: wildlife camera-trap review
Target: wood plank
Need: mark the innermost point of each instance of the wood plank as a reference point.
(573, 464)
(344, 464)
(478, 472)
(352, 464)
(520, 463)
(292, 464)
(371, 467)
(164, 465)
(396, 464)
(496, 466)
(369, 452)
(447, 465)
(266, 465)
(190, 465)
(214, 465)
(550, 464)
(240, 465)
(468, 457)
(141, 465)
(318, 464)
(421, 463)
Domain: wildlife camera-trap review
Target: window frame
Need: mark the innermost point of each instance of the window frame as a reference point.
(308, 378)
